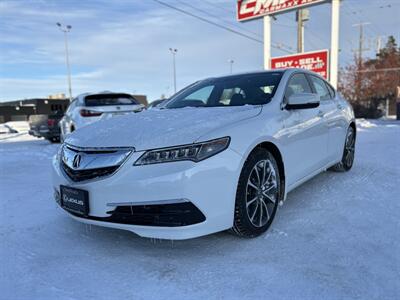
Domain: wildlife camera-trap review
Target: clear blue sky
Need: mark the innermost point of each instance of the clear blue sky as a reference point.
(122, 45)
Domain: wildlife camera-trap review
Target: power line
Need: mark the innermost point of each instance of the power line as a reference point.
(358, 11)
(217, 6)
(217, 17)
(218, 25)
(207, 21)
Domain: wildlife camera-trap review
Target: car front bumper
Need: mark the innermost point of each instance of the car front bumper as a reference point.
(209, 185)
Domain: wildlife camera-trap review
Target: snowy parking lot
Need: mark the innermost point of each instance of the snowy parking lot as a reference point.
(336, 237)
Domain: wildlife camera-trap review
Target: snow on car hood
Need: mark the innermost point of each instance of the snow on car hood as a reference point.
(159, 128)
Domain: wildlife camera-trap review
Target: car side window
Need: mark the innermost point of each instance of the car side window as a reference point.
(331, 90)
(321, 88)
(229, 93)
(201, 95)
(298, 84)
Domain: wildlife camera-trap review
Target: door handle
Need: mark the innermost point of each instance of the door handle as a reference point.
(320, 113)
(339, 106)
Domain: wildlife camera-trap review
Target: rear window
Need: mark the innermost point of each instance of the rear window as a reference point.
(109, 99)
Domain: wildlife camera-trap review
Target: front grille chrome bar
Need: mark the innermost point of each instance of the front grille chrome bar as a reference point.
(87, 163)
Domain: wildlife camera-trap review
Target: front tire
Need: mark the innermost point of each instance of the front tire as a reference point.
(348, 152)
(257, 194)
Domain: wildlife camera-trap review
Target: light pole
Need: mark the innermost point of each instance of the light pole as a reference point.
(66, 29)
(231, 61)
(174, 51)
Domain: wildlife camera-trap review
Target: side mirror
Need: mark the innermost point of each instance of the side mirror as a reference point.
(303, 101)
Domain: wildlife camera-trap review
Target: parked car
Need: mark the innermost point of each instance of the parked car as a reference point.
(46, 126)
(156, 103)
(89, 108)
(220, 155)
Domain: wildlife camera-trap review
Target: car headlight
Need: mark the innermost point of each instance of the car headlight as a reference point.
(194, 152)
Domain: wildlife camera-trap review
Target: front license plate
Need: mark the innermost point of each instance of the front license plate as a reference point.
(75, 200)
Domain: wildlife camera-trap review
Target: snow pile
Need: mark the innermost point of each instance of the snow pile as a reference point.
(4, 129)
(14, 129)
(19, 126)
(364, 123)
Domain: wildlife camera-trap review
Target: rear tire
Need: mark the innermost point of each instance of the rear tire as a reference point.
(348, 153)
(257, 195)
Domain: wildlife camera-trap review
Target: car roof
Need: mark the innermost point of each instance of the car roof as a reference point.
(238, 75)
(282, 71)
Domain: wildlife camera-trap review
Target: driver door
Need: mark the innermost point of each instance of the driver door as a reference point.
(306, 136)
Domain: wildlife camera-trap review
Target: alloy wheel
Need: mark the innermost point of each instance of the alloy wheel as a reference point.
(349, 148)
(261, 193)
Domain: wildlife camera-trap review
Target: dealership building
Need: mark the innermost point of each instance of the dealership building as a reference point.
(20, 110)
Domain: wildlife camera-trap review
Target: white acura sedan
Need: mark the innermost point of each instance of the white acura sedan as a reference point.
(221, 154)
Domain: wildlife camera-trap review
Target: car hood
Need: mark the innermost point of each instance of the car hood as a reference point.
(159, 128)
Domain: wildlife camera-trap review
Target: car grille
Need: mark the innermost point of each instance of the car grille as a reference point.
(91, 163)
(81, 175)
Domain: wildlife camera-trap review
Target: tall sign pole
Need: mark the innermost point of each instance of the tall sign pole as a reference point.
(66, 29)
(267, 42)
(173, 52)
(302, 15)
(335, 43)
(300, 31)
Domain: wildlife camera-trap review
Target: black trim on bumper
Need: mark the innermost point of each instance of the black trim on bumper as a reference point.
(165, 215)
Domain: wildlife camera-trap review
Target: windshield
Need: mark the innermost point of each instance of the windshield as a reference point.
(254, 89)
(109, 99)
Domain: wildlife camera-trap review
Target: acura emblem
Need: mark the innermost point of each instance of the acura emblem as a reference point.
(77, 160)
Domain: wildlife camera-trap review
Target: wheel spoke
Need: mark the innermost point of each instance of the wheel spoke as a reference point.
(264, 172)
(261, 214)
(269, 175)
(258, 175)
(251, 201)
(270, 188)
(249, 183)
(254, 213)
(270, 198)
(349, 158)
(266, 208)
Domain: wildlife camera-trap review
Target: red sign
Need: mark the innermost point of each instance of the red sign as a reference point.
(317, 62)
(250, 9)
